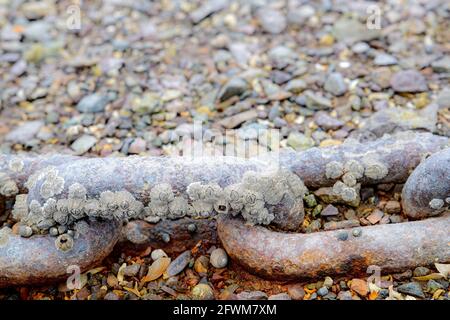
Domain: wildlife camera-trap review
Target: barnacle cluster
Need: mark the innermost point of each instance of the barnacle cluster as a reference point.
(8, 186)
(52, 184)
(16, 165)
(350, 172)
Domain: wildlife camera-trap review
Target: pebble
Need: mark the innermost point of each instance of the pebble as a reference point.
(411, 288)
(201, 264)
(314, 101)
(83, 144)
(328, 282)
(92, 103)
(252, 295)
(375, 216)
(327, 122)
(234, 87)
(202, 291)
(393, 207)
(137, 146)
(178, 265)
(111, 296)
(296, 86)
(219, 258)
(384, 59)
(421, 271)
(158, 253)
(443, 99)
(299, 141)
(280, 296)
(207, 9)
(442, 65)
(25, 132)
(350, 31)
(112, 281)
(131, 270)
(408, 81)
(344, 295)
(272, 21)
(296, 291)
(335, 84)
(433, 285)
(329, 211)
(310, 200)
(359, 286)
(345, 224)
(322, 291)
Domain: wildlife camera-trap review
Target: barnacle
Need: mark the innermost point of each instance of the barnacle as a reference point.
(16, 165)
(64, 242)
(161, 193)
(202, 208)
(157, 209)
(93, 208)
(234, 196)
(221, 206)
(195, 191)
(375, 169)
(77, 191)
(128, 204)
(52, 185)
(8, 187)
(178, 208)
(348, 194)
(354, 168)
(34, 214)
(5, 233)
(61, 216)
(76, 208)
(20, 210)
(436, 204)
(253, 199)
(212, 192)
(349, 179)
(295, 184)
(338, 187)
(150, 216)
(257, 215)
(334, 170)
(49, 208)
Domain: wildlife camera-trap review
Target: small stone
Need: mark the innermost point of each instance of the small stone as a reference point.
(351, 30)
(360, 47)
(252, 295)
(345, 224)
(83, 144)
(326, 122)
(436, 204)
(112, 281)
(384, 59)
(25, 132)
(299, 141)
(328, 282)
(53, 231)
(178, 265)
(132, 270)
(393, 207)
(25, 231)
(310, 200)
(411, 288)
(329, 210)
(201, 264)
(408, 81)
(296, 291)
(335, 84)
(219, 258)
(111, 296)
(92, 103)
(280, 296)
(235, 120)
(421, 271)
(442, 65)
(360, 287)
(344, 295)
(322, 291)
(158, 253)
(296, 86)
(375, 216)
(272, 21)
(207, 9)
(137, 146)
(443, 99)
(234, 87)
(433, 285)
(202, 291)
(316, 102)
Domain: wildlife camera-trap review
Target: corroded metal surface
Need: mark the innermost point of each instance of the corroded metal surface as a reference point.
(36, 260)
(283, 256)
(430, 180)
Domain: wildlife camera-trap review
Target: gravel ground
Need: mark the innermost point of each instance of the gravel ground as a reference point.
(116, 78)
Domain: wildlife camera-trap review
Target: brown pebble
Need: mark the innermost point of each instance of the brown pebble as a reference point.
(360, 287)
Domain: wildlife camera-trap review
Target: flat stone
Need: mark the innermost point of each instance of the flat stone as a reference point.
(384, 59)
(375, 216)
(83, 144)
(411, 288)
(327, 122)
(237, 119)
(92, 103)
(271, 20)
(25, 132)
(442, 65)
(299, 141)
(408, 81)
(316, 102)
(252, 295)
(393, 207)
(234, 87)
(344, 224)
(178, 265)
(329, 210)
(335, 84)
